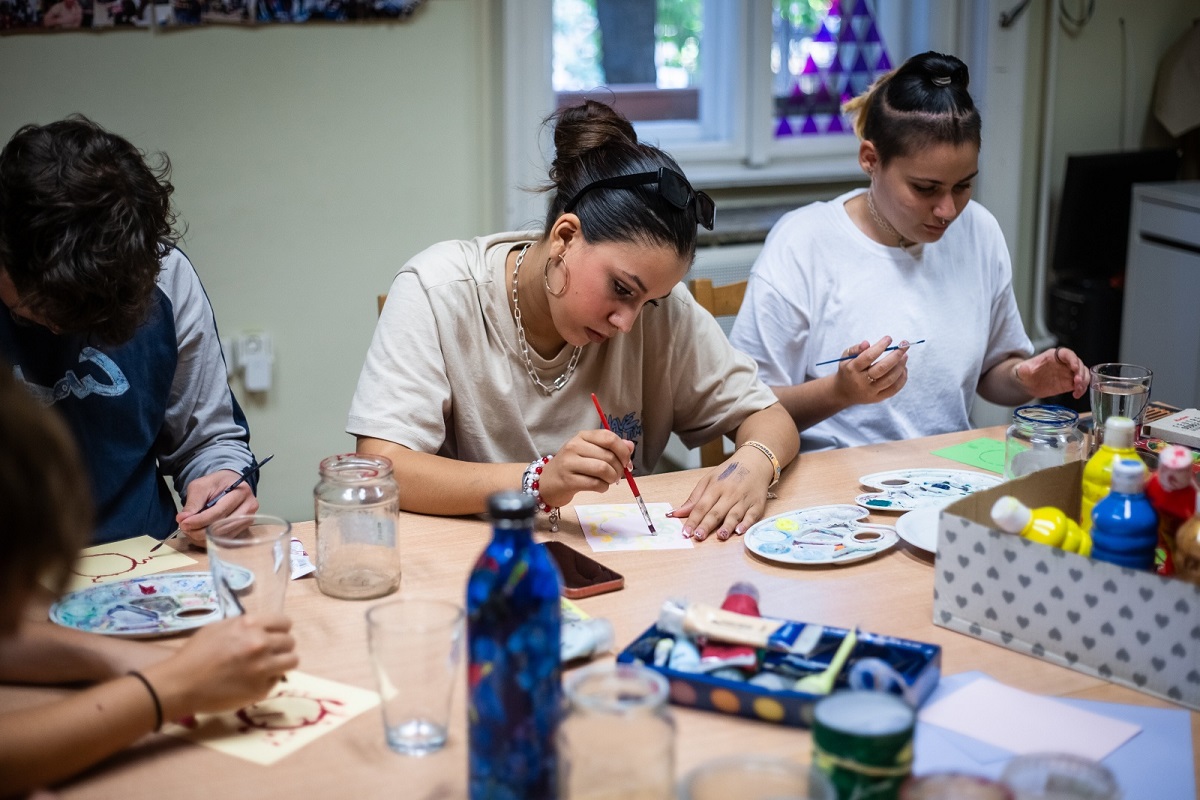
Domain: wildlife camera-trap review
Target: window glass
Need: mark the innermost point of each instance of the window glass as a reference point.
(823, 52)
(642, 56)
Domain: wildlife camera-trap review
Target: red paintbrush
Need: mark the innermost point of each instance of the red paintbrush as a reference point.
(628, 475)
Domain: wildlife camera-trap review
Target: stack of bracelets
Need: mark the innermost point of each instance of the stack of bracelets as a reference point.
(531, 485)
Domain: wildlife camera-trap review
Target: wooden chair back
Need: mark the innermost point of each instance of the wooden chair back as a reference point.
(720, 301)
(380, 300)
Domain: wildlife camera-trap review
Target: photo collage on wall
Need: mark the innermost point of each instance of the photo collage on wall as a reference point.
(48, 16)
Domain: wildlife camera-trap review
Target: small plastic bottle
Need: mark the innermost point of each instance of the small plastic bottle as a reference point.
(1097, 474)
(1046, 525)
(1173, 496)
(1124, 525)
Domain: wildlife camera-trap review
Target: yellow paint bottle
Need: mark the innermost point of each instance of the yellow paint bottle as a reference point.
(1097, 473)
(1046, 525)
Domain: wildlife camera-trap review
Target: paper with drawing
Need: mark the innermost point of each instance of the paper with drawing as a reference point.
(297, 712)
(127, 558)
(622, 527)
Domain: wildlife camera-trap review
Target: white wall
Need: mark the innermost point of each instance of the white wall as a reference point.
(308, 162)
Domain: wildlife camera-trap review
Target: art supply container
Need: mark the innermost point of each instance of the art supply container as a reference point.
(755, 778)
(357, 509)
(514, 687)
(1119, 390)
(1059, 776)
(248, 557)
(1041, 437)
(863, 741)
(617, 739)
(416, 647)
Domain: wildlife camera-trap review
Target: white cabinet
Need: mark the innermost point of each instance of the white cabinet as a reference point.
(1160, 321)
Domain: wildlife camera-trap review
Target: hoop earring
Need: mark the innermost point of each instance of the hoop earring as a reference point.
(546, 277)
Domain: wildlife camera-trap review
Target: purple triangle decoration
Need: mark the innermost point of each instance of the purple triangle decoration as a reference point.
(823, 95)
(860, 64)
(872, 33)
(862, 9)
(783, 129)
(810, 126)
(835, 66)
(823, 35)
(810, 67)
(835, 9)
(846, 31)
(835, 125)
(884, 63)
(797, 92)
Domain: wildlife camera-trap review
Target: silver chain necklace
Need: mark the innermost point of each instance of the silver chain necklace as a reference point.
(883, 224)
(561, 380)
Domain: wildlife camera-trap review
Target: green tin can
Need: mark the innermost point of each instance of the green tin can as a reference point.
(864, 742)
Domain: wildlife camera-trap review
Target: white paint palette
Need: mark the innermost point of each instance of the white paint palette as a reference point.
(910, 489)
(819, 535)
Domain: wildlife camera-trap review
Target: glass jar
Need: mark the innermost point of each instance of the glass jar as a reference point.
(1041, 437)
(357, 508)
(617, 739)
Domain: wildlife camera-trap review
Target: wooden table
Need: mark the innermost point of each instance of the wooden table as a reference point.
(892, 594)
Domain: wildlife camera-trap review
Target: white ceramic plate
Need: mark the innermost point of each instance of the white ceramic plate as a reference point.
(142, 607)
(920, 527)
(833, 534)
(910, 489)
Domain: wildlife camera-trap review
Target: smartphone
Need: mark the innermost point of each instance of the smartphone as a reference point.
(582, 576)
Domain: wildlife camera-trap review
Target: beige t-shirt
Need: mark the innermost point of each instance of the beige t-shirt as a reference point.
(444, 373)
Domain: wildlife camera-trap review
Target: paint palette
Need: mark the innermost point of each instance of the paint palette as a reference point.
(142, 607)
(910, 489)
(834, 534)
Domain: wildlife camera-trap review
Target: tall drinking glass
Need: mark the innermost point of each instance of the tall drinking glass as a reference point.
(1119, 390)
(250, 563)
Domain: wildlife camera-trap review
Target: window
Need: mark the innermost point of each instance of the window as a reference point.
(741, 92)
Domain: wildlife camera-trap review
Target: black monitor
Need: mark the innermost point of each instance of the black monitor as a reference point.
(1093, 218)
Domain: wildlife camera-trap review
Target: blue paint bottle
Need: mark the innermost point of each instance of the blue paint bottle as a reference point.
(1124, 525)
(514, 689)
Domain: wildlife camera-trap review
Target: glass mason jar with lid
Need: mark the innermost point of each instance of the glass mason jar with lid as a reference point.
(357, 508)
(1041, 437)
(617, 739)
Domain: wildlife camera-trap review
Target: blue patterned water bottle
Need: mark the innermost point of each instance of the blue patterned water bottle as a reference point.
(514, 689)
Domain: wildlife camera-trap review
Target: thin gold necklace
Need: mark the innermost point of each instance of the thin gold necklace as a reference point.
(561, 380)
(883, 224)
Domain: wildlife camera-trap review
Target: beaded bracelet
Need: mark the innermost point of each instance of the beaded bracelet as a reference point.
(158, 711)
(531, 485)
(766, 451)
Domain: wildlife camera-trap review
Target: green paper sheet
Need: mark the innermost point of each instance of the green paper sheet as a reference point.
(983, 452)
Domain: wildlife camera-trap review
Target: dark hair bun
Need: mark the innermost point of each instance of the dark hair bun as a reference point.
(581, 129)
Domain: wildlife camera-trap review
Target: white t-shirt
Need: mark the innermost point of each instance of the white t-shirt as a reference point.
(444, 372)
(821, 285)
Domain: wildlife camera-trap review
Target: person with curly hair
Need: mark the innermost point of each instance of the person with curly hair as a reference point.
(107, 322)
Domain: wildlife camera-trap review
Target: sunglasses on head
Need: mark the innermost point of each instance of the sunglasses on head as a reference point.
(672, 187)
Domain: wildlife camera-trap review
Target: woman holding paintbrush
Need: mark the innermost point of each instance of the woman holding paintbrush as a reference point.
(909, 258)
(480, 374)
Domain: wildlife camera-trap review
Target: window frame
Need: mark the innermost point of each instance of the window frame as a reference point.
(742, 155)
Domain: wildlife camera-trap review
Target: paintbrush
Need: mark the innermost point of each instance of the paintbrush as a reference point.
(847, 358)
(628, 475)
(246, 473)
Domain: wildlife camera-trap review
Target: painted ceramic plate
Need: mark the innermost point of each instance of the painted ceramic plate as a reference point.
(910, 489)
(143, 607)
(832, 534)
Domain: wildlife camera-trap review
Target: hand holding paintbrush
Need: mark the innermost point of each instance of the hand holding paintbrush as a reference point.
(253, 469)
